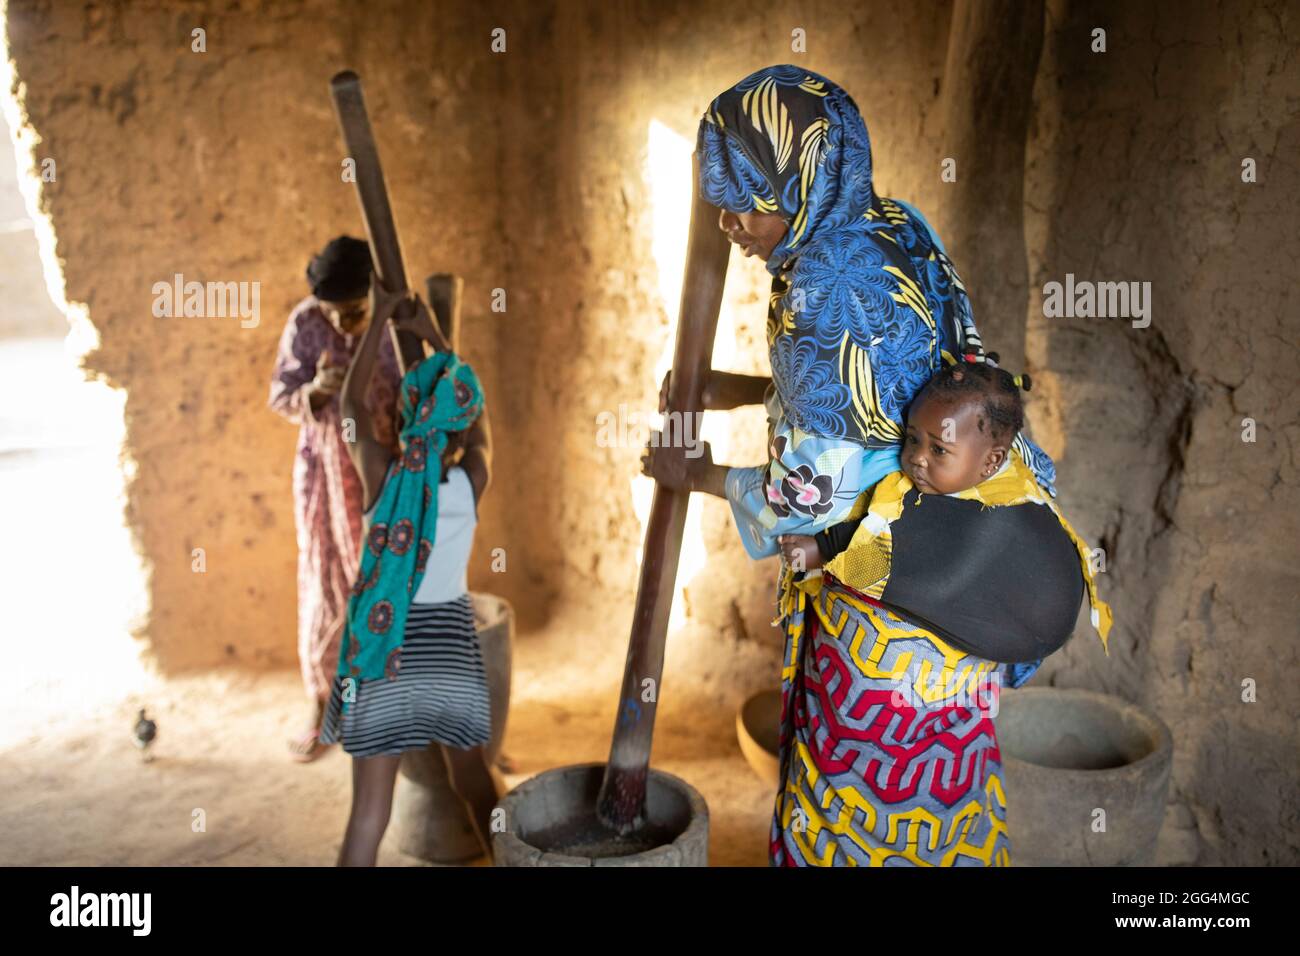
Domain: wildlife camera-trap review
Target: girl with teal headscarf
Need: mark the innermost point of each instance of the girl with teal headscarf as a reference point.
(410, 672)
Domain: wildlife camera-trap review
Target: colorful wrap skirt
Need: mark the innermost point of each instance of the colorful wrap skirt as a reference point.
(888, 752)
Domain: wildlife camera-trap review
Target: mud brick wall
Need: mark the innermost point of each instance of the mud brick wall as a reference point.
(542, 171)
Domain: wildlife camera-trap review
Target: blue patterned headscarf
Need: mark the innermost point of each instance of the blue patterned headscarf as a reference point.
(439, 395)
(864, 300)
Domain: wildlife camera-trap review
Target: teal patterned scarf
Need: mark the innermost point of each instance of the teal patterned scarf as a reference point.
(439, 395)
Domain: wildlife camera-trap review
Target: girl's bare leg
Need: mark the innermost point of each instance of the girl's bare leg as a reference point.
(373, 779)
(474, 784)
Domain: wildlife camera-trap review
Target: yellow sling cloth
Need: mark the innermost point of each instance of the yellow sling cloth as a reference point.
(865, 564)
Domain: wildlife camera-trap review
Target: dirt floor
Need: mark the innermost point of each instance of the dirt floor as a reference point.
(78, 792)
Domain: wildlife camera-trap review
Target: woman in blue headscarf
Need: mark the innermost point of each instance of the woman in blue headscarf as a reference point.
(888, 753)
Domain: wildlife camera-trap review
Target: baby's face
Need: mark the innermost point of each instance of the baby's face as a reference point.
(944, 450)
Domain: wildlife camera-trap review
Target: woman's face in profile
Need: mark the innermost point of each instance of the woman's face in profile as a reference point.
(757, 233)
(348, 316)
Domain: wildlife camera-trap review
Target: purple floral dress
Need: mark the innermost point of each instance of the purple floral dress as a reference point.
(326, 489)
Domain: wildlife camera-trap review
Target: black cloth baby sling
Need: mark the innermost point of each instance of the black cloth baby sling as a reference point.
(996, 571)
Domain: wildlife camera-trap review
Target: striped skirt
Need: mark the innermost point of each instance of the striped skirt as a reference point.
(437, 694)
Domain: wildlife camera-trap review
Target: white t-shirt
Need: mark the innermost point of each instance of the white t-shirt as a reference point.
(444, 573)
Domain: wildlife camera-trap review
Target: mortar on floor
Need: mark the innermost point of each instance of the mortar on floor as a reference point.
(550, 820)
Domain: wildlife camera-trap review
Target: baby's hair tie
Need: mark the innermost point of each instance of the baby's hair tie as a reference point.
(980, 357)
(1023, 381)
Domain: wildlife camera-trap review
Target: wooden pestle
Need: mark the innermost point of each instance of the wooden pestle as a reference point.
(372, 193)
(621, 803)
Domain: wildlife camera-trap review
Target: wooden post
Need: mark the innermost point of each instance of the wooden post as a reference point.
(622, 794)
(444, 292)
(385, 250)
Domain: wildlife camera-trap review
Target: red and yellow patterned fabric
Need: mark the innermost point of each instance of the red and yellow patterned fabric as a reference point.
(888, 750)
(889, 755)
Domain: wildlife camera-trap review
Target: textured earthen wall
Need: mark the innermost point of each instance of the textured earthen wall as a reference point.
(525, 171)
(528, 171)
(1136, 174)
(225, 165)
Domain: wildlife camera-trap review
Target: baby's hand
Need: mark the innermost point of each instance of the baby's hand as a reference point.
(800, 552)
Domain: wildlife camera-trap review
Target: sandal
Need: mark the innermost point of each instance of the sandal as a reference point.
(307, 746)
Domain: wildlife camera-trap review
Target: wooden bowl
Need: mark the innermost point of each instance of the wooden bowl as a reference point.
(758, 727)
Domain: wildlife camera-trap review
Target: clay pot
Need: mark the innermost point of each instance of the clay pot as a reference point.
(1068, 754)
(429, 821)
(546, 816)
(758, 728)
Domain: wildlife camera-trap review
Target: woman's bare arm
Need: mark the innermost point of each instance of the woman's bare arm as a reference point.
(477, 460)
(724, 391)
(673, 467)
(684, 469)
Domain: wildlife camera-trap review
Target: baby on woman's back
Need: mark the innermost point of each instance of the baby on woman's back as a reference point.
(960, 428)
(990, 564)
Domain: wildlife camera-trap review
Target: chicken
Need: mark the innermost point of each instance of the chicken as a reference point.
(145, 733)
